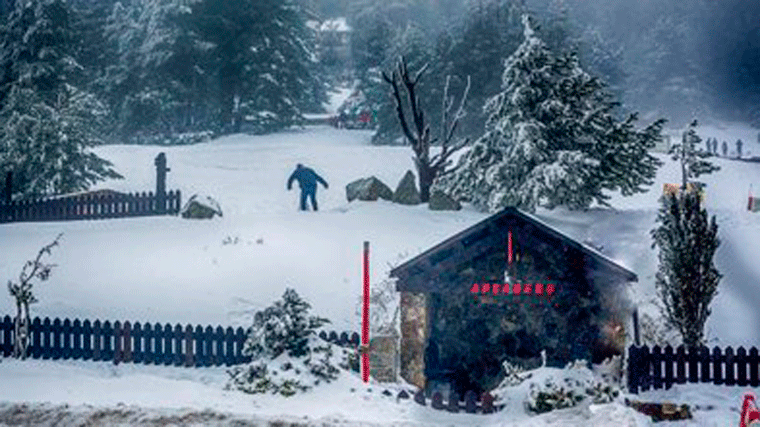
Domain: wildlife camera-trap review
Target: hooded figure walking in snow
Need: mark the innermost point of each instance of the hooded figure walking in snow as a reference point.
(307, 180)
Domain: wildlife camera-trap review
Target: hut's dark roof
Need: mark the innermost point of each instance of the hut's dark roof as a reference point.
(423, 264)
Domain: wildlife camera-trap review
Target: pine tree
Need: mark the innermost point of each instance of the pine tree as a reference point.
(687, 279)
(263, 57)
(47, 124)
(739, 144)
(283, 327)
(724, 147)
(690, 157)
(552, 139)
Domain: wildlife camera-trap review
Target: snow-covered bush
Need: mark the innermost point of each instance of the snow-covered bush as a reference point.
(286, 355)
(545, 389)
(572, 386)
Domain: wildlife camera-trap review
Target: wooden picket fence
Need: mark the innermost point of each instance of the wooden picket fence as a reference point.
(91, 206)
(660, 368)
(135, 343)
(471, 404)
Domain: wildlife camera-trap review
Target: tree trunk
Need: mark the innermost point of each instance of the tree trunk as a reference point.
(426, 177)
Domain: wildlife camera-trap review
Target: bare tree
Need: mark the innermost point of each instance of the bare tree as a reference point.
(22, 292)
(428, 167)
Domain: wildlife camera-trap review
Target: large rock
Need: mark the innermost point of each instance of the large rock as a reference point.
(201, 207)
(440, 201)
(406, 193)
(368, 189)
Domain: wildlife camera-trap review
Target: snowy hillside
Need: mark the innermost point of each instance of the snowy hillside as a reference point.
(166, 269)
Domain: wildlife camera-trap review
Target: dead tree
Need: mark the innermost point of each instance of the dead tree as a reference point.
(428, 167)
(22, 292)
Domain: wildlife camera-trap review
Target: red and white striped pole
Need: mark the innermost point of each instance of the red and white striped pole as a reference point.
(365, 318)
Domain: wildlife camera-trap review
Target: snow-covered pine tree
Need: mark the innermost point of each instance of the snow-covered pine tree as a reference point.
(46, 124)
(724, 147)
(739, 144)
(153, 75)
(691, 157)
(686, 279)
(264, 58)
(282, 327)
(285, 350)
(552, 139)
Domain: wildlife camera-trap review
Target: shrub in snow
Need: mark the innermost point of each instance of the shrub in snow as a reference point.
(286, 355)
(514, 374)
(546, 389)
(22, 293)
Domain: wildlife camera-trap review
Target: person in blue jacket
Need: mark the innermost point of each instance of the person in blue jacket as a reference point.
(307, 180)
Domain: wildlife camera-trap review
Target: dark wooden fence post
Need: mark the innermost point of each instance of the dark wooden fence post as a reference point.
(717, 362)
(657, 360)
(76, 335)
(168, 342)
(730, 373)
(218, 346)
(35, 339)
(754, 360)
(97, 343)
(741, 367)
(47, 330)
(681, 365)
(86, 340)
(229, 346)
(161, 171)
(188, 345)
(208, 352)
(127, 349)
(117, 350)
(6, 329)
(178, 361)
(240, 337)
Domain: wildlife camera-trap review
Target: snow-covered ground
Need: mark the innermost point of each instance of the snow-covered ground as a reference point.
(166, 269)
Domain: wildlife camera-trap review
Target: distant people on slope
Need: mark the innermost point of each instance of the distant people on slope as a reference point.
(307, 181)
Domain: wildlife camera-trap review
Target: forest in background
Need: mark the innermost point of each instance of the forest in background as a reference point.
(79, 73)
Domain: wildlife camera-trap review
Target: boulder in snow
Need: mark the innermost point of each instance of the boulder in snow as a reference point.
(201, 207)
(406, 193)
(440, 201)
(368, 189)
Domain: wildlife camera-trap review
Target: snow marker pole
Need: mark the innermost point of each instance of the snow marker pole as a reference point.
(365, 318)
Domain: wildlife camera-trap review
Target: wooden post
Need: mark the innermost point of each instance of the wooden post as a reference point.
(365, 318)
(636, 326)
(161, 170)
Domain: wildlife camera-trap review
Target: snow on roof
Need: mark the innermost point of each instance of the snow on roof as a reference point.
(338, 25)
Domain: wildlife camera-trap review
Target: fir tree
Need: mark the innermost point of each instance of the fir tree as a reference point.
(552, 139)
(284, 331)
(687, 279)
(48, 124)
(282, 327)
(690, 157)
(263, 57)
(724, 147)
(739, 144)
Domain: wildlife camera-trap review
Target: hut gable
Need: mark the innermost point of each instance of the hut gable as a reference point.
(449, 336)
(423, 272)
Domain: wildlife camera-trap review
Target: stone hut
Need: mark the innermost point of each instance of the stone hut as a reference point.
(462, 317)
